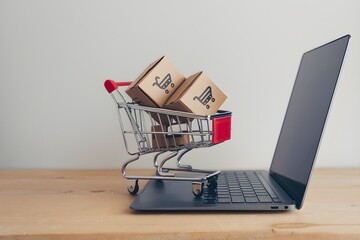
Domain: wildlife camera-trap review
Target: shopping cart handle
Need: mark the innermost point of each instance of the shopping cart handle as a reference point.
(111, 85)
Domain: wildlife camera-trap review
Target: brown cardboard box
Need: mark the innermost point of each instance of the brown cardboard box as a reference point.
(160, 140)
(197, 94)
(154, 86)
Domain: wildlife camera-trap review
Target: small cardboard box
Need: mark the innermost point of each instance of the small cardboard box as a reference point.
(154, 86)
(197, 94)
(163, 140)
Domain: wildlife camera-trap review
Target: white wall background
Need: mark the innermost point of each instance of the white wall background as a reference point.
(55, 55)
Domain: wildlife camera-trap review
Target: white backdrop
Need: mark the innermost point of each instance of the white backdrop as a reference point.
(55, 56)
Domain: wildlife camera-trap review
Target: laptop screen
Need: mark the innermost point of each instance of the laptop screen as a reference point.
(306, 115)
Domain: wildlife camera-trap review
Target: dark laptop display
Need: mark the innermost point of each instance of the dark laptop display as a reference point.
(284, 186)
(306, 115)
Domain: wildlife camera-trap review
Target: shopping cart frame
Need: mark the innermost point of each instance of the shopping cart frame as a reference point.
(200, 137)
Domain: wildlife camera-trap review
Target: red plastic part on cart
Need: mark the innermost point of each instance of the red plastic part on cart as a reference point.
(111, 85)
(221, 128)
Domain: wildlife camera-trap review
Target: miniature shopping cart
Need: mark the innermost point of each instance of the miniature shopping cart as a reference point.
(148, 130)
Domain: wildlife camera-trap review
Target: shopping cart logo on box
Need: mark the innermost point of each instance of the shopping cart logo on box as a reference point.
(205, 97)
(164, 83)
(168, 140)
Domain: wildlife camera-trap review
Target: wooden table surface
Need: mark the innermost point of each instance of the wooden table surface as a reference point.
(94, 204)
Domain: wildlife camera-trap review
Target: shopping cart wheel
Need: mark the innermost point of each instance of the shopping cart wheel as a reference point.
(133, 186)
(198, 188)
(212, 182)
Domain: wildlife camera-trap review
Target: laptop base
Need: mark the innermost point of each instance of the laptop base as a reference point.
(159, 195)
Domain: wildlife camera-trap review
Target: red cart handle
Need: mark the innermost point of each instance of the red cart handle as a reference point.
(111, 85)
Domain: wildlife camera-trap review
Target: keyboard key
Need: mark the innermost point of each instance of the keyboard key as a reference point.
(235, 190)
(237, 199)
(230, 179)
(233, 184)
(248, 191)
(265, 199)
(249, 195)
(276, 200)
(259, 189)
(223, 190)
(221, 195)
(262, 194)
(224, 200)
(236, 194)
(251, 199)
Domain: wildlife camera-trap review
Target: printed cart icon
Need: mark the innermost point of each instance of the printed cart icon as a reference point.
(205, 97)
(164, 83)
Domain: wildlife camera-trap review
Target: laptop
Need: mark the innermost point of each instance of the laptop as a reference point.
(283, 187)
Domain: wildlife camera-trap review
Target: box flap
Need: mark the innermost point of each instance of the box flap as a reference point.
(159, 81)
(146, 71)
(183, 87)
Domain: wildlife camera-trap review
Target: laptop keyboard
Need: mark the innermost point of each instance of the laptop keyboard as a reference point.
(240, 187)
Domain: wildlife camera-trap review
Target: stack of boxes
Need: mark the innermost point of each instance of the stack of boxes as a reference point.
(162, 85)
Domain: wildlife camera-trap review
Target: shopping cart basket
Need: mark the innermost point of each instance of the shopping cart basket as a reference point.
(160, 131)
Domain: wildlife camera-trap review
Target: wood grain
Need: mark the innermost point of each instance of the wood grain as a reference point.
(67, 204)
